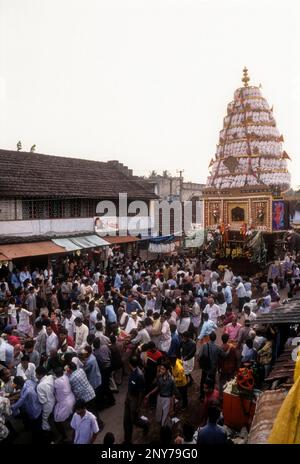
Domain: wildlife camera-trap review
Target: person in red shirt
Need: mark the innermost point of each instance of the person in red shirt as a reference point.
(229, 316)
(54, 323)
(227, 366)
(11, 338)
(178, 307)
(153, 359)
(63, 336)
(212, 397)
(101, 286)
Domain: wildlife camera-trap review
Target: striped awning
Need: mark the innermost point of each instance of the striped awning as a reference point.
(80, 243)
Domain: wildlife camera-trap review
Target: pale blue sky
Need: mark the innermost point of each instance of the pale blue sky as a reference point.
(146, 82)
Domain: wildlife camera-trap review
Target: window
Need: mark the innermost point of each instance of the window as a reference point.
(35, 209)
(56, 209)
(75, 208)
(92, 207)
(237, 214)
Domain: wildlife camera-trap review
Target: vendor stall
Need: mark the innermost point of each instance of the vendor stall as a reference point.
(239, 405)
(281, 379)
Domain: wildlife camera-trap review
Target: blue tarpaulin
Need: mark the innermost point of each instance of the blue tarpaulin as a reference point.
(162, 239)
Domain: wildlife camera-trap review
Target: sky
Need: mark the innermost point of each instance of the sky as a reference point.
(146, 82)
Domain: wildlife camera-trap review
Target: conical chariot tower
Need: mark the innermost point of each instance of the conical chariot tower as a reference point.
(249, 172)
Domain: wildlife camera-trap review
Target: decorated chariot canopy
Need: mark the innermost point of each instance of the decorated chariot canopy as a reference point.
(250, 150)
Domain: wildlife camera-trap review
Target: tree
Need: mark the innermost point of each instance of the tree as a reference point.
(166, 174)
(19, 145)
(153, 174)
(32, 149)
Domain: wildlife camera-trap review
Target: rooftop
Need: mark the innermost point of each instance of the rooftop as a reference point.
(35, 175)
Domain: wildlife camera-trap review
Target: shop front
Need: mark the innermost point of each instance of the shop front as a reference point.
(58, 252)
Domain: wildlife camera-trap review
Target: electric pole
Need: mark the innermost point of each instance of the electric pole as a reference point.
(180, 184)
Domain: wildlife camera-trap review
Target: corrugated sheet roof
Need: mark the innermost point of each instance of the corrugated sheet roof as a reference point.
(80, 243)
(119, 239)
(287, 313)
(22, 250)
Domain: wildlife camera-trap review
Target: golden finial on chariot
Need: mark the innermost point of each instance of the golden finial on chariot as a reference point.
(245, 78)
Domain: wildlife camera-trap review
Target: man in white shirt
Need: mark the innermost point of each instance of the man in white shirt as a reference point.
(68, 323)
(249, 315)
(24, 275)
(214, 286)
(26, 369)
(52, 340)
(142, 336)
(104, 340)
(212, 310)
(93, 318)
(84, 424)
(165, 337)
(76, 311)
(214, 276)
(95, 288)
(241, 293)
(97, 276)
(150, 302)
(45, 391)
(6, 352)
(81, 333)
(184, 321)
(31, 300)
(41, 337)
(296, 272)
(159, 283)
(48, 274)
(228, 275)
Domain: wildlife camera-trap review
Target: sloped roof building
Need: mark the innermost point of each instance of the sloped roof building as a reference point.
(35, 175)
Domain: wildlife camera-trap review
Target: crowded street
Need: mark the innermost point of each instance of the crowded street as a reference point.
(132, 330)
(149, 229)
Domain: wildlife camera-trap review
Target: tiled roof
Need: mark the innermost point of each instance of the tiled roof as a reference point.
(24, 174)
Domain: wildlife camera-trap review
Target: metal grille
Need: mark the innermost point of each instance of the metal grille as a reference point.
(52, 209)
(35, 209)
(56, 209)
(92, 204)
(75, 208)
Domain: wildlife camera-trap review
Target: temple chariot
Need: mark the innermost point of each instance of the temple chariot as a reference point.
(244, 207)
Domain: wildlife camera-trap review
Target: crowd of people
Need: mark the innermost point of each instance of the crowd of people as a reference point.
(68, 340)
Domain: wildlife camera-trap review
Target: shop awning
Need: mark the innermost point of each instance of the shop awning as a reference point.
(119, 240)
(162, 239)
(23, 250)
(288, 313)
(80, 243)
